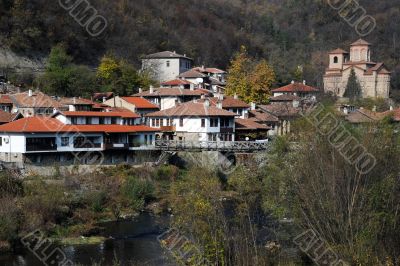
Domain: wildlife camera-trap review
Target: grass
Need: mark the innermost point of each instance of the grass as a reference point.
(73, 241)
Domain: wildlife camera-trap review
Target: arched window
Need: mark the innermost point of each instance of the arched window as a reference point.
(335, 60)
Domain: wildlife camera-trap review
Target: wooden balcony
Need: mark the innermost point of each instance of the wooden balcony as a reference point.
(40, 147)
(226, 130)
(168, 129)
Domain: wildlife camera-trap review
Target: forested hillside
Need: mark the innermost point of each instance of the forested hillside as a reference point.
(287, 33)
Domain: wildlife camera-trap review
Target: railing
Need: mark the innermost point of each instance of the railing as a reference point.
(40, 147)
(87, 145)
(234, 146)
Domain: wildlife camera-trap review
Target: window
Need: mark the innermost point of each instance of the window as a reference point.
(335, 60)
(101, 121)
(203, 122)
(113, 120)
(153, 122)
(225, 122)
(181, 122)
(74, 120)
(64, 141)
(212, 137)
(168, 63)
(214, 122)
(1, 141)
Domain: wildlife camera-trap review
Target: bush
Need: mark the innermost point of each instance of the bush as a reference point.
(96, 200)
(10, 186)
(10, 218)
(138, 191)
(167, 172)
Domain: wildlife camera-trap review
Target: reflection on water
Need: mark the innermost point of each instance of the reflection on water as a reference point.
(129, 241)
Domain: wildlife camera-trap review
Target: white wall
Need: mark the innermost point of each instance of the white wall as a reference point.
(162, 72)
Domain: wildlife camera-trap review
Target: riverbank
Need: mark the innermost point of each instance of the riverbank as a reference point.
(69, 208)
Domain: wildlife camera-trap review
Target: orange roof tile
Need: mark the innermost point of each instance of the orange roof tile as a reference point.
(296, 87)
(124, 114)
(176, 82)
(52, 125)
(191, 109)
(140, 103)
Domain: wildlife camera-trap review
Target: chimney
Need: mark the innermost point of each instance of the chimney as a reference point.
(203, 96)
(182, 87)
(345, 111)
(221, 97)
(253, 106)
(296, 104)
(207, 103)
(140, 90)
(292, 81)
(304, 82)
(235, 96)
(104, 99)
(74, 100)
(391, 108)
(151, 89)
(374, 108)
(192, 86)
(30, 93)
(219, 105)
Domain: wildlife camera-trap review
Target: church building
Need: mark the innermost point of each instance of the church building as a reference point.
(374, 78)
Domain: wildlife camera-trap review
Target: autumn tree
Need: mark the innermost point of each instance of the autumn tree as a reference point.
(120, 76)
(251, 83)
(238, 72)
(353, 88)
(261, 80)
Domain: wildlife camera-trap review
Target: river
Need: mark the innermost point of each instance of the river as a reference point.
(134, 241)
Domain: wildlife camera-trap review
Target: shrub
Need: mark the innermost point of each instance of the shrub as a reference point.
(10, 185)
(10, 218)
(138, 191)
(167, 172)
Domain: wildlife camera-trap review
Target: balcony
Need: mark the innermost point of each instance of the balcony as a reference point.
(87, 145)
(40, 147)
(226, 130)
(168, 129)
(116, 146)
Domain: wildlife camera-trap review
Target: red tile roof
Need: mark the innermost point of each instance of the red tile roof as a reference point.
(285, 98)
(37, 100)
(124, 114)
(247, 124)
(76, 101)
(296, 87)
(261, 116)
(176, 82)
(227, 102)
(140, 103)
(5, 99)
(165, 92)
(7, 117)
(192, 109)
(52, 125)
(338, 51)
(360, 42)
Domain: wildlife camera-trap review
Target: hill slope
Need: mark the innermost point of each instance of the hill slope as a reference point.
(288, 33)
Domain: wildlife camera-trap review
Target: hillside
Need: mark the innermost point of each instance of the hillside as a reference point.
(287, 33)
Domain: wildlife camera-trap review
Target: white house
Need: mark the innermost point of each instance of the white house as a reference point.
(51, 140)
(194, 122)
(169, 97)
(166, 65)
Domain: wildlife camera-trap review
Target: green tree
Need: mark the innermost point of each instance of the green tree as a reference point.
(353, 88)
(63, 78)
